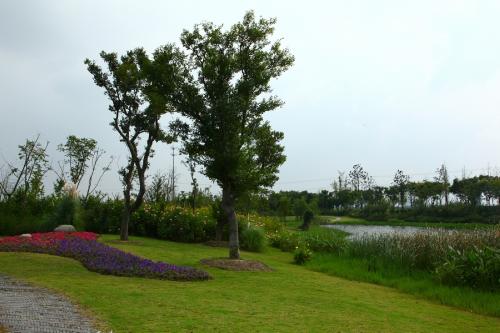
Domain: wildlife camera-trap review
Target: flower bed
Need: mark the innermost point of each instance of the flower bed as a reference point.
(98, 257)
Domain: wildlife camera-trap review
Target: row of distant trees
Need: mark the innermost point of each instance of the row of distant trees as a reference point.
(356, 191)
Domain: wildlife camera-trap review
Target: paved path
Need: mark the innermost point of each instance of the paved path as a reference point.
(28, 309)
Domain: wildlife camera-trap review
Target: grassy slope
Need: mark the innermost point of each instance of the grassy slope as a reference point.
(446, 225)
(290, 299)
(419, 283)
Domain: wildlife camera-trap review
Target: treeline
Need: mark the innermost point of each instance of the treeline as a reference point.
(469, 199)
(26, 205)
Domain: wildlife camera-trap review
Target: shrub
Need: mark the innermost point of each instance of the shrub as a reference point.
(182, 225)
(68, 211)
(323, 240)
(307, 219)
(476, 268)
(318, 240)
(285, 240)
(20, 214)
(102, 216)
(302, 254)
(253, 239)
(267, 223)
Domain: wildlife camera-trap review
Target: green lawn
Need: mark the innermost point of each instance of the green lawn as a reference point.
(290, 299)
(418, 283)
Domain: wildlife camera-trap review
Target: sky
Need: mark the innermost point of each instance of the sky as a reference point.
(387, 84)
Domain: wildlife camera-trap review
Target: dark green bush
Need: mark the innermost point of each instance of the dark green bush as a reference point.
(23, 214)
(68, 211)
(307, 219)
(253, 239)
(102, 216)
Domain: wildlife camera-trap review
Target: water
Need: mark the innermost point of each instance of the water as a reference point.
(375, 230)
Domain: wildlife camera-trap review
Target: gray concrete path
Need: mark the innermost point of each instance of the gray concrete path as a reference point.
(28, 309)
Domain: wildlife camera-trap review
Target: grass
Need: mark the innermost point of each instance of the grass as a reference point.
(418, 283)
(444, 225)
(291, 298)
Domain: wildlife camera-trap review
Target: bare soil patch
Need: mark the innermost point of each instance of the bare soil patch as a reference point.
(237, 264)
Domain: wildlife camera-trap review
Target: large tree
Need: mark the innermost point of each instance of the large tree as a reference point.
(225, 100)
(141, 91)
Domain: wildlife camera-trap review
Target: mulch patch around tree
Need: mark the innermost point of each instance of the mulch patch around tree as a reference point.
(237, 264)
(214, 243)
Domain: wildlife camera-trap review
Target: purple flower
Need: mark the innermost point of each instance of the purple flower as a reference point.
(101, 258)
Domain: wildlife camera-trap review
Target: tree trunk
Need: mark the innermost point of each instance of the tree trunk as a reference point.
(124, 225)
(229, 212)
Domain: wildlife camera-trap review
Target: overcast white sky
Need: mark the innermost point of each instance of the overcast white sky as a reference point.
(388, 84)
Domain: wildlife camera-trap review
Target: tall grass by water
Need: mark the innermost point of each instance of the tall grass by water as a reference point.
(423, 250)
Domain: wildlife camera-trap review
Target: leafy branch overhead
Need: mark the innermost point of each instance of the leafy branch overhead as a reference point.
(226, 97)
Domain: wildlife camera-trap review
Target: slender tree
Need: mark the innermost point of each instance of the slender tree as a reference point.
(26, 179)
(82, 156)
(443, 178)
(225, 101)
(159, 190)
(401, 183)
(137, 105)
(191, 165)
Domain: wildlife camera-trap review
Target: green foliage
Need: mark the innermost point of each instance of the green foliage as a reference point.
(23, 214)
(268, 223)
(475, 267)
(102, 216)
(307, 219)
(317, 239)
(174, 223)
(285, 240)
(68, 211)
(78, 152)
(253, 239)
(302, 254)
(233, 69)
